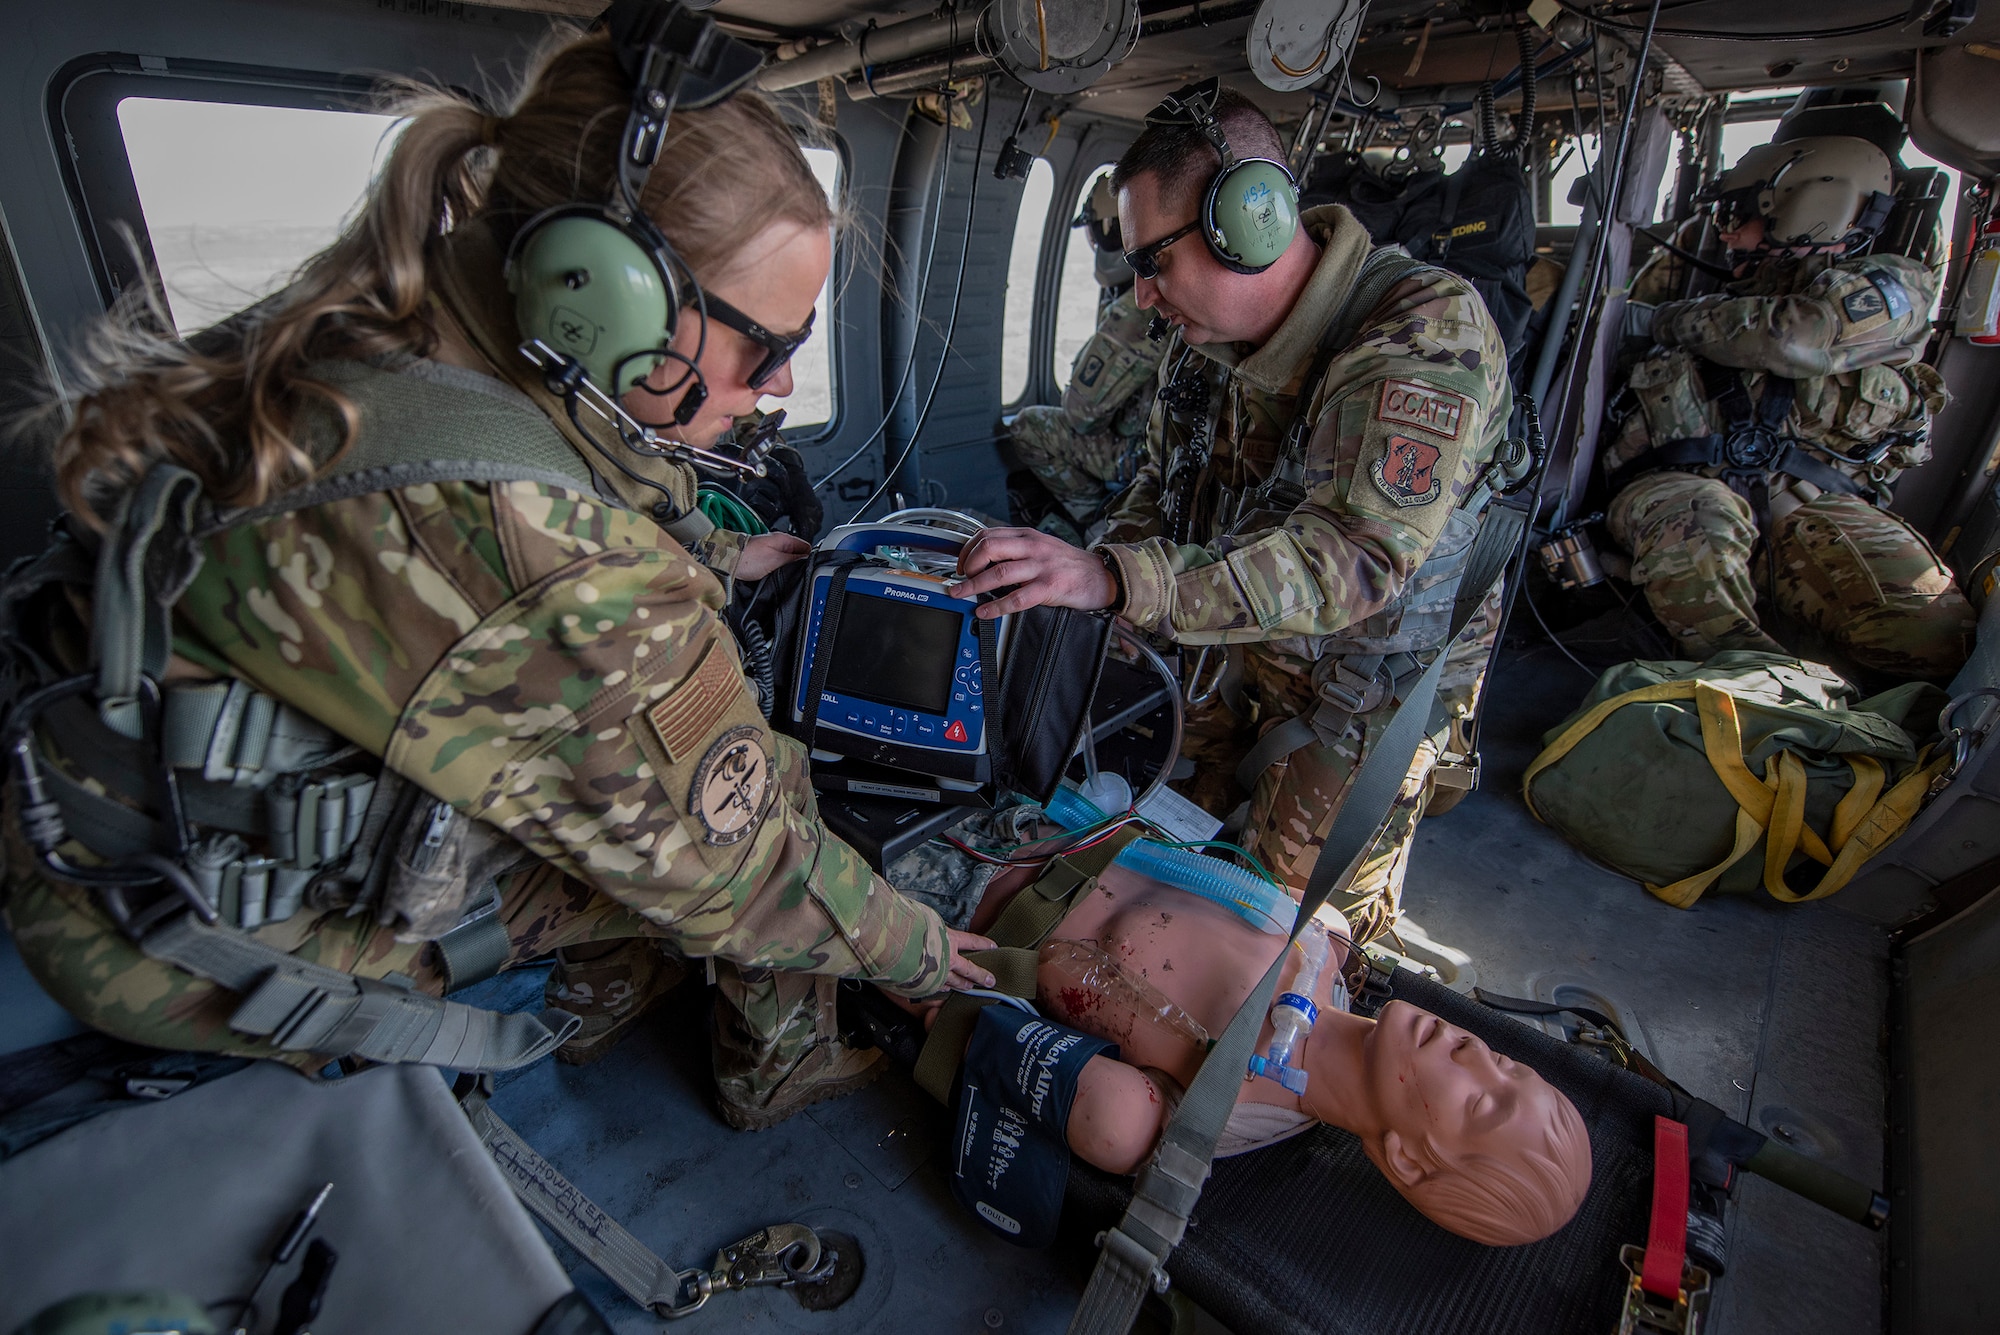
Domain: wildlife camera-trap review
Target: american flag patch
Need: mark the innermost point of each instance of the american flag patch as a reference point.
(688, 715)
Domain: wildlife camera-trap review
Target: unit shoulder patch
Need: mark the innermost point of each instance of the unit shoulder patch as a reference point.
(1407, 403)
(732, 786)
(690, 712)
(1877, 301)
(1407, 471)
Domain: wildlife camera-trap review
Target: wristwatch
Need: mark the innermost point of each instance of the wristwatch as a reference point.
(1117, 580)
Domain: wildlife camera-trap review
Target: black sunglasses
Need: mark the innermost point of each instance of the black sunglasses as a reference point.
(1145, 261)
(778, 348)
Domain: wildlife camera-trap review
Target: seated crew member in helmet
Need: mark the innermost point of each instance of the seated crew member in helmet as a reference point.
(1085, 451)
(1478, 1143)
(543, 663)
(1291, 493)
(1752, 444)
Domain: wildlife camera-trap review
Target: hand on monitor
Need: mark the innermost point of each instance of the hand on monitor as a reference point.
(767, 552)
(1042, 571)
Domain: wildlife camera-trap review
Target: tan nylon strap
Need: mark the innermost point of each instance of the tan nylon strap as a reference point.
(1013, 969)
(1019, 930)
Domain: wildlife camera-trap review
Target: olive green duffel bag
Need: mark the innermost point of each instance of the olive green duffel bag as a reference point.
(1677, 773)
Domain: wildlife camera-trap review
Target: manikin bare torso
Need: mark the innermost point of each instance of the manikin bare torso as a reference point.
(1476, 1141)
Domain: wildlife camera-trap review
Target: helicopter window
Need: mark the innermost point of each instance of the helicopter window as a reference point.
(237, 197)
(811, 402)
(1023, 267)
(1076, 295)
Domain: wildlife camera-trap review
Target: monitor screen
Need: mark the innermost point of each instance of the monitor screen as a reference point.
(895, 653)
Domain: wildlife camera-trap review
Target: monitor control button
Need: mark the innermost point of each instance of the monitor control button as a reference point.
(956, 732)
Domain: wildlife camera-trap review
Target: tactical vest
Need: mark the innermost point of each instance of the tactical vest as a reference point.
(209, 808)
(1754, 445)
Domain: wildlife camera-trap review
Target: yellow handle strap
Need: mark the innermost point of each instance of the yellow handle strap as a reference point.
(1874, 829)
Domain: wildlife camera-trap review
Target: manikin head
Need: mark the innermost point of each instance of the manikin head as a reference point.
(1159, 183)
(1480, 1144)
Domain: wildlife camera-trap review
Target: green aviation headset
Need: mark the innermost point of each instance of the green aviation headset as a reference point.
(598, 289)
(1250, 212)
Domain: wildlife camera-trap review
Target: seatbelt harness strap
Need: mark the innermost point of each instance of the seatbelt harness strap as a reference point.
(1021, 927)
(299, 1006)
(576, 1219)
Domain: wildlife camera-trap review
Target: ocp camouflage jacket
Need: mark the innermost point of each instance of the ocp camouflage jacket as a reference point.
(556, 666)
(1402, 424)
(1847, 332)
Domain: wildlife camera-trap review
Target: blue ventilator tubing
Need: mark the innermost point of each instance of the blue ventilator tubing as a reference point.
(1244, 893)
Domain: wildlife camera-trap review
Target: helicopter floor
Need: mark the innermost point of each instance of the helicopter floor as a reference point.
(1773, 1014)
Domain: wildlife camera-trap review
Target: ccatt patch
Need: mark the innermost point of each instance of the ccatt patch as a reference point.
(1407, 471)
(732, 786)
(1407, 403)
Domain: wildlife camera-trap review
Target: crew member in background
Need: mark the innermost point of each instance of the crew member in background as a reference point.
(1781, 409)
(1313, 478)
(1086, 451)
(545, 665)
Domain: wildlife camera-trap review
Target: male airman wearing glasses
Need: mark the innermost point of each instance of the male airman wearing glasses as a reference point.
(1314, 475)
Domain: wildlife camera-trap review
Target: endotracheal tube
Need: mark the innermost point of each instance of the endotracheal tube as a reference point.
(1293, 1014)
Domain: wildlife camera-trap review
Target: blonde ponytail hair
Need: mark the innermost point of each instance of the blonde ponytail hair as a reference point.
(225, 404)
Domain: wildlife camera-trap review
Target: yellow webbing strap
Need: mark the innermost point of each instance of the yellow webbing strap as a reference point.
(1772, 808)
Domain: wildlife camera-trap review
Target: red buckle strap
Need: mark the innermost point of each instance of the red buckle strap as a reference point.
(1666, 1237)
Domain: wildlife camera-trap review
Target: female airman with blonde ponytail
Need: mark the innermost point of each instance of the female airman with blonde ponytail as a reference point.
(415, 562)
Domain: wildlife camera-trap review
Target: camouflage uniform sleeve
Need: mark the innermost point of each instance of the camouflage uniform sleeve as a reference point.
(720, 549)
(1113, 366)
(556, 666)
(1408, 419)
(600, 716)
(1870, 311)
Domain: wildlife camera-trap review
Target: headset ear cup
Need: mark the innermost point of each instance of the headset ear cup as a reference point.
(592, 290)
(1250, 214)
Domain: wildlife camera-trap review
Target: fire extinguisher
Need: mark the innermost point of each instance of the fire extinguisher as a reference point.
(1979, 299)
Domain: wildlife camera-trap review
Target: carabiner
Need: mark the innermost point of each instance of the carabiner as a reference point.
(1193, 692)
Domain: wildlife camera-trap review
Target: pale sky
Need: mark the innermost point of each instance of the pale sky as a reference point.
(204, 162)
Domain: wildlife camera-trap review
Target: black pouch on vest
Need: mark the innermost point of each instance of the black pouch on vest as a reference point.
(1046, 686)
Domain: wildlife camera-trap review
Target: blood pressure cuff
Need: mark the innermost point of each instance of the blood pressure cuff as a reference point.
(1014, 1095)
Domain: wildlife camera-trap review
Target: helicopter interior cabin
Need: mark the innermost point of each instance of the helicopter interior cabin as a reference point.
(202, 151)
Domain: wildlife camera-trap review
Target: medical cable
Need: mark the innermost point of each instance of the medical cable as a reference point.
(951, 326)
(726, 510)
(923, 298)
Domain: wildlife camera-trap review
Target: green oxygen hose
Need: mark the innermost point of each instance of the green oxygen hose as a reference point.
(724, 510)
